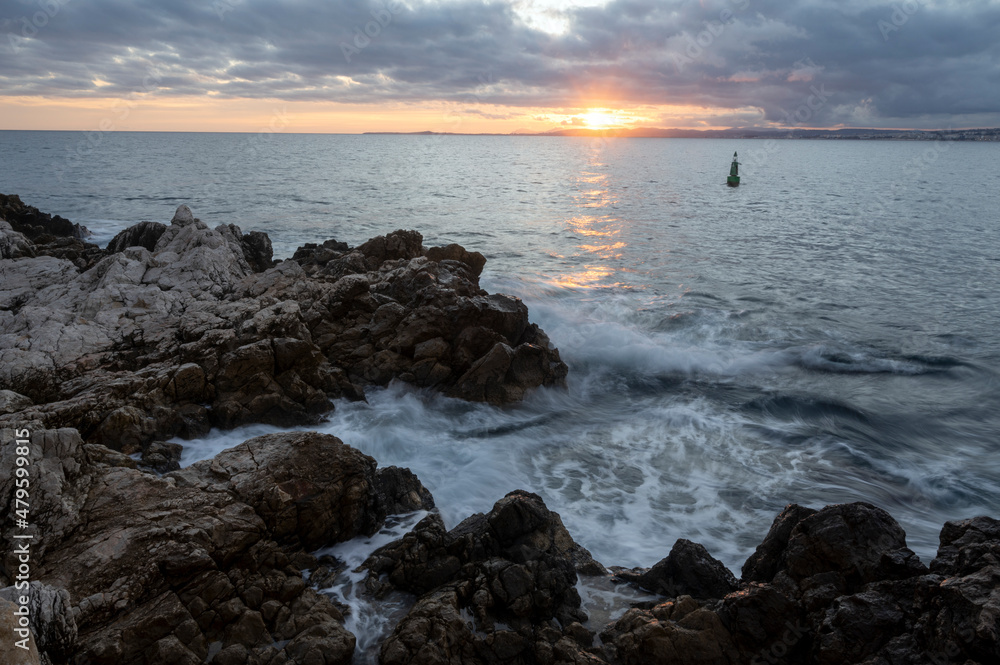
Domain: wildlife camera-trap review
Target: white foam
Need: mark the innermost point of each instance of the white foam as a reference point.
(369, 619)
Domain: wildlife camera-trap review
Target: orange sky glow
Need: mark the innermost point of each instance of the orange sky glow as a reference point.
(255, 115)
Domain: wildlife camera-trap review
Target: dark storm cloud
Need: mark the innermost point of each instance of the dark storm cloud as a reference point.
(814, 62)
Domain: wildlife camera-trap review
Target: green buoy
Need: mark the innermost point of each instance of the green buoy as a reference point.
(734, 173)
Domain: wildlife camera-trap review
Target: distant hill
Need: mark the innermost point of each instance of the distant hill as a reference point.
(857, 133)
(767, 133)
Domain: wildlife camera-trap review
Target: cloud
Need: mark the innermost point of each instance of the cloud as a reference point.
(917, 63)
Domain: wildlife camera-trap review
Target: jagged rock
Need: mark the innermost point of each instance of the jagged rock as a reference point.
(490, 588)
(182, 332)
(14, 245)
(967, 545)
(400, 491)
(162, 456)
(10, 651)
(689, 570)
(27, 232)
(453, 252)
(36, 225)
(52, 624)
(12, 402)
(396, 245)
(681, 631)
(764, 563)
(841, 548)
(60, 481)
(143, 234)
(257, 250)
(165, 567)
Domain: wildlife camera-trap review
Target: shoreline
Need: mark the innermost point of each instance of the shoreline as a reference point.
(176, 328)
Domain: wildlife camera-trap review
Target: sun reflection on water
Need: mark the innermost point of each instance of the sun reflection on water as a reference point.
(599, 235)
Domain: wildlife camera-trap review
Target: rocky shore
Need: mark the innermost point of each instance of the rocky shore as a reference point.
(174, 329)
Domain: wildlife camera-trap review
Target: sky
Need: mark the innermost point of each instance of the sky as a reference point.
(502, 66)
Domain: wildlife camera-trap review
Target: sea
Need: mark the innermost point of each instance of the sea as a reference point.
(827, 332)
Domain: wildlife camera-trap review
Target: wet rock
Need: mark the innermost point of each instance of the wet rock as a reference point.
(179, 328)
(843, 547)
(765, 562)
(490, 588)
(967, 546)
(143, 234)
(204, 560)
(400, 491)
(680, 631)
(162, 457)
(689, 570)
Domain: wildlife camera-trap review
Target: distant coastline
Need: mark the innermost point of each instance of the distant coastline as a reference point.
(851, 134)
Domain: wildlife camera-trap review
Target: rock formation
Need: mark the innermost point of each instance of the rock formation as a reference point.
(176, 329)
(203, 562)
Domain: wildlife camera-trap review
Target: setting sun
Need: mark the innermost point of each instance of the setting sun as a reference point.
(601, 119)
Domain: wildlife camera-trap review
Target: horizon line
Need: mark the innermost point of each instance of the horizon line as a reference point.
(554, 133)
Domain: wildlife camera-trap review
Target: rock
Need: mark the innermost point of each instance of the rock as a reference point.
(143, 234)
(396, 245)
(311, 489)
(257, 250)
(162, 457)
(681, 631)
(27, 232)
(763, 622)
(843, 547)
(35, 225)
(400, 491)
(474, 260)
(163, 568)
(689, 570)
(183, 216)
(12, 402)
(490, 588)
(10, 650)
(967, 546)
(52, 624)
(60, 483)
(14, 245)
(180, 328)
(765, 562)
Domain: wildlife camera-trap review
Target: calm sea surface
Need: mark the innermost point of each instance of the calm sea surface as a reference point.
(826, 332)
